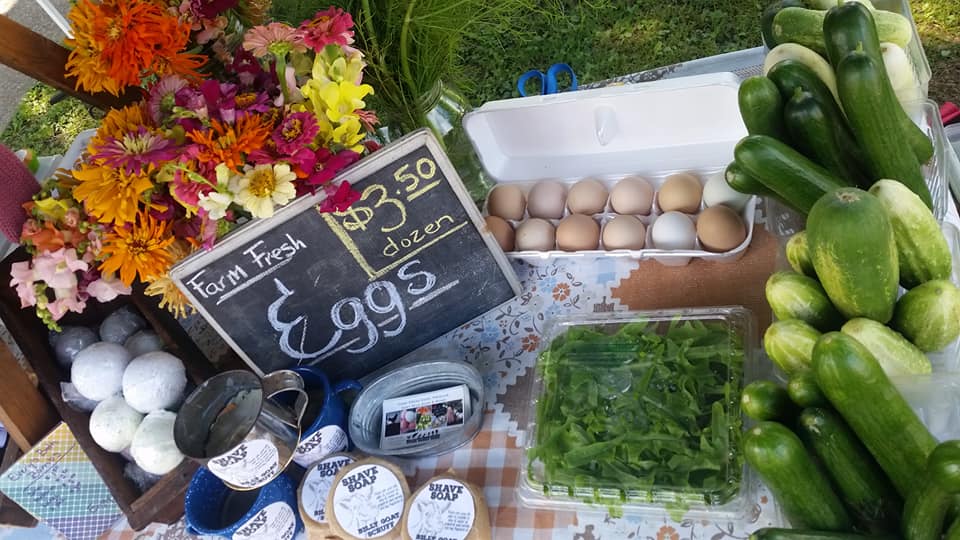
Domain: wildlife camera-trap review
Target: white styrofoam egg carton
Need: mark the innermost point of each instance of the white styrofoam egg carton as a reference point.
(671, 257)
(686, 124)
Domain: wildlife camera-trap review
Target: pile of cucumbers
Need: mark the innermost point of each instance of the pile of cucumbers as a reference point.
(819, 121)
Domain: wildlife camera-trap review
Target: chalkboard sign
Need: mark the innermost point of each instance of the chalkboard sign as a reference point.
(351, 291)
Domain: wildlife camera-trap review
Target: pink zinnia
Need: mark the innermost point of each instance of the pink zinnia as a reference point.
(136, 150)
(327, 166)
(329, 27)
(295, 132)
(163, 97)
(276, 38)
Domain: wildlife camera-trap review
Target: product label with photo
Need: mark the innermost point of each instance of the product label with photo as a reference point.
(322, 442)
(443, 510)
(250, 464)
(316, 486)
(276, 521)
(422, 419)
(368, 502)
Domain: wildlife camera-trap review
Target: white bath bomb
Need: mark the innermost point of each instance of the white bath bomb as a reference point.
(113, 424)
(120, 325)
(153, 447)
(154, 381)
(97, 371)
(68, 343)
(143, 342)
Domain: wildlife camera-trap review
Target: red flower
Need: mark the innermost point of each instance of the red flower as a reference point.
(326, 166)
(339, 198)
(328, 27)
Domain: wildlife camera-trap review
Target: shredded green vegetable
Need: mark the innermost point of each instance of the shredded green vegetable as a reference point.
(651, 411)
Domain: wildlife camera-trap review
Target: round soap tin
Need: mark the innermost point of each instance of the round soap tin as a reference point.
(366, 416)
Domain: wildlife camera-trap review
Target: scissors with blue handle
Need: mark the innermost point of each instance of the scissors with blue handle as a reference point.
(548, 82)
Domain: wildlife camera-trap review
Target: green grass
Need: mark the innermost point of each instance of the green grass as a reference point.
(45, 128)
(599, 38)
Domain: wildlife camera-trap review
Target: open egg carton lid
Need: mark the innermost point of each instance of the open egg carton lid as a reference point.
(648, 129)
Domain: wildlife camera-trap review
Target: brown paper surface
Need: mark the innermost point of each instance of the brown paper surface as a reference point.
(702, 283)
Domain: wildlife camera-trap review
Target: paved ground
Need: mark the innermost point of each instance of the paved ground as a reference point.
(13, 84)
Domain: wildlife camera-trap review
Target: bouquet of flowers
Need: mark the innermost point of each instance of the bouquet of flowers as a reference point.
(197, 157)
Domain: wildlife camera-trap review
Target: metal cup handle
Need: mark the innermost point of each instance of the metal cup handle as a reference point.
(285, 380)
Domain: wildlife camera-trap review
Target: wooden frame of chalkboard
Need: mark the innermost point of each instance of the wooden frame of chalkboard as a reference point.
(351, 291)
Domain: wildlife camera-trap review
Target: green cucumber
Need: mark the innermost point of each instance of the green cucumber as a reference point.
(897, 356)
(850, 28)
(799, 485)
(761, 107)
(807, 57)
(795, 180)
(770, 533)
(927, 507)
(789, 343)
(853, 251)
(803, 390)
(871, 113)
(766, 400)
(824, 138)
(861, 392)
(929, 315)
(792, 76)
(922, 249)
(827, 4)
(795, 296)
(861, 484)
(740, 181)
(766, 19)
(806, 27)
(798, 255)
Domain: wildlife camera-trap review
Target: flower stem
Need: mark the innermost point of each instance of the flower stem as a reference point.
(405, 50)
(282, 76)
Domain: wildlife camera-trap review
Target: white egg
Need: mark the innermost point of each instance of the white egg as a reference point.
(674, 230)
(717, 191)
(153, 447)
(154, 381)
(113, 424)
(97, 371)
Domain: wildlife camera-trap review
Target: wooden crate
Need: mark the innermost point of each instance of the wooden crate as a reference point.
(163, 503)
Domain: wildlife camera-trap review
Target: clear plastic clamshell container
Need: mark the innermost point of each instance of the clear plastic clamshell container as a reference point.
(784, 222)
(687, 124)
(639, 413)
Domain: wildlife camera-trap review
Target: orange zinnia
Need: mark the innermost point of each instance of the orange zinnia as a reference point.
(119, 122)
(116, 42)
(225, 143)
(139, 249)
(111, 195)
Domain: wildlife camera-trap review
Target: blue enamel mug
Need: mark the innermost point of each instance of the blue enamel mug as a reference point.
(269, 512)
(324, 423)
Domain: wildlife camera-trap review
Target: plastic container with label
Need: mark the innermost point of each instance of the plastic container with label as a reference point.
(639, 412)
(688, 124)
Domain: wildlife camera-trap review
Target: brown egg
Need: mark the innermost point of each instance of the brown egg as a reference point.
(536, 234)
(578, 232)
(632, 195)
(681, 193)
(507, 202)
(547, 200)
(502, 231)
(624, 232)
(720, 229)
(587, 197)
